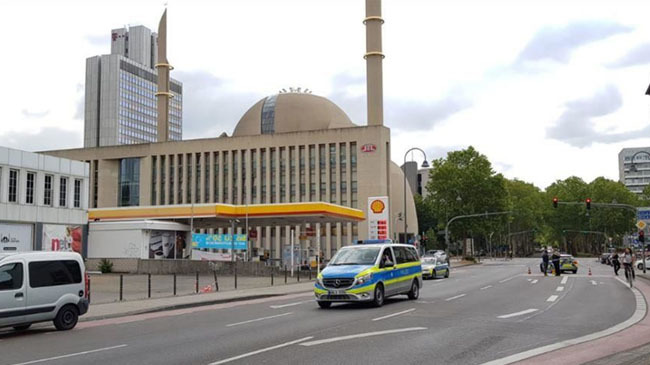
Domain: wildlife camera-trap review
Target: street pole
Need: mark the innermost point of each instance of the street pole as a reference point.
(232, 240)
(318, 254)
(469, 216)
(425, 164)
(291, 239)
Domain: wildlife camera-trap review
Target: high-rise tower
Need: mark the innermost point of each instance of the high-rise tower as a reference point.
(374, 58)
(121, 88)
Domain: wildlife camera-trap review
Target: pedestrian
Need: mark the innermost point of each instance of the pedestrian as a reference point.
(628, 259)
(616, 263)
(555, 258)
(545, 261)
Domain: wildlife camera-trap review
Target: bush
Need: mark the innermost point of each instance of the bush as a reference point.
(105, 266)
(469, 258)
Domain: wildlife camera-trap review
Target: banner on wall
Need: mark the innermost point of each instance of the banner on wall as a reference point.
(59, 237)
(378, 218)
(210, 256)
(15, 237)
(218, 241)
(166, 244)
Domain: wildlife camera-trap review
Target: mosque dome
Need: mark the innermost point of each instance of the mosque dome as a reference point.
(291, 112)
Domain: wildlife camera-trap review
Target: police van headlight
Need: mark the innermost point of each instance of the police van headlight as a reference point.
(363, 279)
(319, 280)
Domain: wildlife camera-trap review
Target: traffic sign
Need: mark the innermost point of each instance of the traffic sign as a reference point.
(641, 225)
(643, 214)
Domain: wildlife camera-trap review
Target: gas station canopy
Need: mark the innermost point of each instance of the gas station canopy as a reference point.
(212, 215)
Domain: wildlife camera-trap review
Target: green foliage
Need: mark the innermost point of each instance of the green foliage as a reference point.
(105, 266)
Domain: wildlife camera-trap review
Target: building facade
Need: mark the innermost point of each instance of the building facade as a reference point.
(120, 93)
(637, 180)
(416, 178)
(289, 147)
(43, 202)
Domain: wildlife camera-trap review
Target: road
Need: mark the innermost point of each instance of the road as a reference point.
(481, 313)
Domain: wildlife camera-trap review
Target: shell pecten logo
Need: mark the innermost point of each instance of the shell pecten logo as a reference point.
(377, 206)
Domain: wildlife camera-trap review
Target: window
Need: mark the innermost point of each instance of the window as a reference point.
(29, 197)
(11, 276)
(129, 182)
(411, 254)
(53, 273)
(216, 177)
(268, 115)
(63, 191)
(13, 186)
(401, 255)
(77, 193)
(47, 192)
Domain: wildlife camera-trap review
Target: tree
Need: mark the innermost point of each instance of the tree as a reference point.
(527, 206)
(465, 183)
(645, 196)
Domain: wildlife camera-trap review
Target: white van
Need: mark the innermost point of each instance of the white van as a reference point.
(40, 287)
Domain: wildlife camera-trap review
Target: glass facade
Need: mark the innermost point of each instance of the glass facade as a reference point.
(268, 115)
(129, 182)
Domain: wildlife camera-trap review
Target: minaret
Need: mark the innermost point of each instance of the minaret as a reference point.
(163, 95)
(374, 58)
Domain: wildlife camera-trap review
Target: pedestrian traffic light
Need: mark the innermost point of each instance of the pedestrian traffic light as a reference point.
(555, 202)
(588, 201)
(641, 237)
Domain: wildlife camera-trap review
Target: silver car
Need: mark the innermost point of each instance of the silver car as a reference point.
(41, 287)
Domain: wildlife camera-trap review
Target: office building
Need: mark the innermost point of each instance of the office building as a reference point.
(634, 173)
(416, 178)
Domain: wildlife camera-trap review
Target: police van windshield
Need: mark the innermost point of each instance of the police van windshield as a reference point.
(356, 256)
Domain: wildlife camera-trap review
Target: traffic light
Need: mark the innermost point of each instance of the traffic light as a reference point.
(555, 202)
(641, 237)
(588, 201)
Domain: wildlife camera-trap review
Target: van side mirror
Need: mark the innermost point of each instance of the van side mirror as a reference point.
(387, 263)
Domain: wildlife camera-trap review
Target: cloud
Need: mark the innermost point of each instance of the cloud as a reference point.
(81, 103)
(576, 127)
(99, 40)
(209, 107)
(399, 114)
(50, 138)
(557, 43)
(639, 55)
(31, 114)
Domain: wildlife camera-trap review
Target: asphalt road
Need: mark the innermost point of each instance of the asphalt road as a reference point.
(480, 313)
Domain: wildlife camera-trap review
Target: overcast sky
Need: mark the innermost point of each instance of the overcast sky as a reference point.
(546, 89)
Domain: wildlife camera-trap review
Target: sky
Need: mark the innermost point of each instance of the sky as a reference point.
(545, 89)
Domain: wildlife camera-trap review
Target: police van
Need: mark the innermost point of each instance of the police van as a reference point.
(369, 272)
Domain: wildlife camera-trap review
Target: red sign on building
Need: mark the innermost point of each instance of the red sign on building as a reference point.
(368, 148)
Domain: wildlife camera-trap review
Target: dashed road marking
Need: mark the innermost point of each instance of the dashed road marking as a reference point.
(534, 281)
(508, 279)
(290, 304)
(259, 319)
(455, 297)
(552, 298)
(394, 314)
(531, 310)
(564, 280)
(593, 282)
(262, 350)
(360, 335)
(559, 288)
(486, 287)
(71, 355)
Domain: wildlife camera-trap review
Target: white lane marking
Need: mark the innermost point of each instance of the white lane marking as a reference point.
(261, 350)
(529, 279)
(361, 335)
(638, 315)
(508, 279)
(456, 297)
(534, 281)
(290, 304)
(486, 287)
(531, 310)
(71, 355)
(564, 280)
(259, 319)
(552, 298)
(593, 282)
(559, 288)
(394, 314)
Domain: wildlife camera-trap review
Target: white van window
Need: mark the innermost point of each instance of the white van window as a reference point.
(356, 256)
(400, 255)
(52, 273)
(412, 254)
(11, 276)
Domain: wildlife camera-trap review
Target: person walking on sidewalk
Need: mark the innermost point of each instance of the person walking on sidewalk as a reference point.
(616, 263)
(555, 258)
(545, 261)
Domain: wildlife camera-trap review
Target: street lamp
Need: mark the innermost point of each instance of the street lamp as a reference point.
(633, 166)
(425, 164)
(398, 218)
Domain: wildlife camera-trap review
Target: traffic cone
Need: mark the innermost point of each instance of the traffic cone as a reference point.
(589, 271)
(553, 271)
(528, 270)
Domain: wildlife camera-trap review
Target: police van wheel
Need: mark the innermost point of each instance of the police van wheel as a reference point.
(447, 273)
(434, 274)
(324, 305)
(378, 301)
(414, 293)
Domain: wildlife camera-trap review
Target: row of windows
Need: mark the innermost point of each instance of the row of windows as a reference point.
(233, 167)
(41, 274)
(149, 76)
(137, 126)
(48, 189)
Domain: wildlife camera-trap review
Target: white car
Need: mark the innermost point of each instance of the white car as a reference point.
(639, 264)
(41, 287)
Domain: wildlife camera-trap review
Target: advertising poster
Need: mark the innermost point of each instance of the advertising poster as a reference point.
(59, 237)
(218, 241)
(161, 244)
(15, 237)
(378, 218)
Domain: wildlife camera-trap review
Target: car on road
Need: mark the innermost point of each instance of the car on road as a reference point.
(434, 267)
(567, 264)
(605, 258)
(369, 273)
(639, 263)
(437, 253)
(41, 287)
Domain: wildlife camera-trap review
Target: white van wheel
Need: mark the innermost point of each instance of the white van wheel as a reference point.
(67, 318)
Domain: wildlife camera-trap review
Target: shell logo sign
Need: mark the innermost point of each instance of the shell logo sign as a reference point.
(377, 206)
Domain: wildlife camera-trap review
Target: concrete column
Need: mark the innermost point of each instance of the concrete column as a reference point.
(328, 241)
(374, 58)
(211, 179)
(176, 187)
(219, 176)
